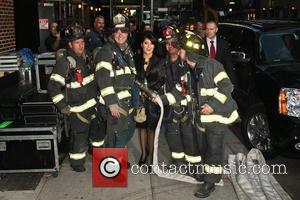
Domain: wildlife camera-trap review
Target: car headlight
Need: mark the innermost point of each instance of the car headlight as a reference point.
(289, 102)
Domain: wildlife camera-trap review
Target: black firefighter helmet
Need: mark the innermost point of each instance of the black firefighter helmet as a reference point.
(74, 32)
(171, 32)
(193, 43)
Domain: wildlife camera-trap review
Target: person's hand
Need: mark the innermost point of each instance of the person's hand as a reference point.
(206, 109)
(182, 54)
(57, 35)
(66, 110)
(114, 109)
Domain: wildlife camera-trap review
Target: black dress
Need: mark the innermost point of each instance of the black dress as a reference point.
(155, 77)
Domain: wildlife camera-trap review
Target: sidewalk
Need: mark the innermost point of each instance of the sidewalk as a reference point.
(70, 185)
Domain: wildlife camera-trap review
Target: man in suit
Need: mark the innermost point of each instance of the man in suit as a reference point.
(219, 49)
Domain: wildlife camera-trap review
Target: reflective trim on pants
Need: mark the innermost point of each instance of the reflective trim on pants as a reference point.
(77, 156)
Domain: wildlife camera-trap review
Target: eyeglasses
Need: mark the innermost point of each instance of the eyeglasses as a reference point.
(123, 30)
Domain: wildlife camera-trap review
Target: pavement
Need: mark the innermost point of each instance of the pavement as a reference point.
(70, 185)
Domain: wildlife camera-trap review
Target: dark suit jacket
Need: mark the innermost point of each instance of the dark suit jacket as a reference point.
(223, 55)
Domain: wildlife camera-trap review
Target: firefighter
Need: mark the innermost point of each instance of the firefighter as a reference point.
(180, 135)
(73, 90)
(115, 74)
(215, 109)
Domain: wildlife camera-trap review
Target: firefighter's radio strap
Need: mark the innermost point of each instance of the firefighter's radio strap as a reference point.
(72, 66)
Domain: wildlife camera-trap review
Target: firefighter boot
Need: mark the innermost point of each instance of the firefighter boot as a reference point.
(205, 190)
(77, 165)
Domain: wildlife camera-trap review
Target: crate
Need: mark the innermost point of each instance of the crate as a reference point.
(44, 64)
(29, 149)
(40, 110)
(10, 62)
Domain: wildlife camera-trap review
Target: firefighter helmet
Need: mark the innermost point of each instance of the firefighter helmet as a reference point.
(171, 32)
(193, 43)
(73, 32)
(120, 21)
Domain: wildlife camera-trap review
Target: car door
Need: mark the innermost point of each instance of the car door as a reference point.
(245, 65)
(242, 46)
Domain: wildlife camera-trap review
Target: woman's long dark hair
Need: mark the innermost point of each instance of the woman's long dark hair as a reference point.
(149, 35)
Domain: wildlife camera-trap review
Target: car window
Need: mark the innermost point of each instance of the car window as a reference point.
(280, 47)
(231, 34)
(247, 43)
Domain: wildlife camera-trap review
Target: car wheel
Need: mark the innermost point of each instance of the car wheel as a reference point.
(256, 132)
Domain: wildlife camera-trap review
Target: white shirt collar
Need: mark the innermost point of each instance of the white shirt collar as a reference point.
(209, 44)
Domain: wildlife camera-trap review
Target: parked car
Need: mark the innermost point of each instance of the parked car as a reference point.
(266, 55)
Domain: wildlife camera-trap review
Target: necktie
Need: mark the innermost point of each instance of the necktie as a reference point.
(212, 52)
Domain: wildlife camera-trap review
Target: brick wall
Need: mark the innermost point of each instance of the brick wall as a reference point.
(7, 26)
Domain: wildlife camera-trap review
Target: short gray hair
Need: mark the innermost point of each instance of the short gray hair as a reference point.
(99, 17)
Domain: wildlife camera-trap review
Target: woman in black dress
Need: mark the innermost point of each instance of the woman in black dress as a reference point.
(150, 71)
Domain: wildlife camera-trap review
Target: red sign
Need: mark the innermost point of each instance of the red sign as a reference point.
(43, 24)
(110, 167)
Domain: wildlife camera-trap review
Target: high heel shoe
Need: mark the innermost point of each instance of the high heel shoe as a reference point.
(142, 162)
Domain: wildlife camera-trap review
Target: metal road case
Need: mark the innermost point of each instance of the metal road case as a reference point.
(10, 62)
(44, 64)
(13, 62)
(29, 149)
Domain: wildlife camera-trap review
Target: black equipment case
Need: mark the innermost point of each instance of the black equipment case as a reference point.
(29, 149)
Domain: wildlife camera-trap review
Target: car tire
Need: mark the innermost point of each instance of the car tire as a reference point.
(256, 132)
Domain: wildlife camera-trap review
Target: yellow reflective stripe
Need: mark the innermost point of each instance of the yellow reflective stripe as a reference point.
(86, 105)
(188, 98)
(208, 92)
(171, 98)
(126, 70)
(133, 70)
(177, 155)
(101, 100)
(112, 74)
(105, 65)
(219, 118)
(77, 156)
(130, 110)
(221, 97)
(97, 144)
(85, 81)
(193, 159)
(178, 87)
(123, 94)
(212, 169)
(213, 92)
(107, 91)
(58, 78)
(220, 76)
(184, 102)
(58, 98)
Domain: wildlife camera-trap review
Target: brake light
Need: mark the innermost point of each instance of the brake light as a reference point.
(282, 103)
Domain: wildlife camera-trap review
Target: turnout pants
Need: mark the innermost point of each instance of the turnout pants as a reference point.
(211, 145)
(119, 130)
(174, 140)
(98, 128)
(190, 144)
(80, 127)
